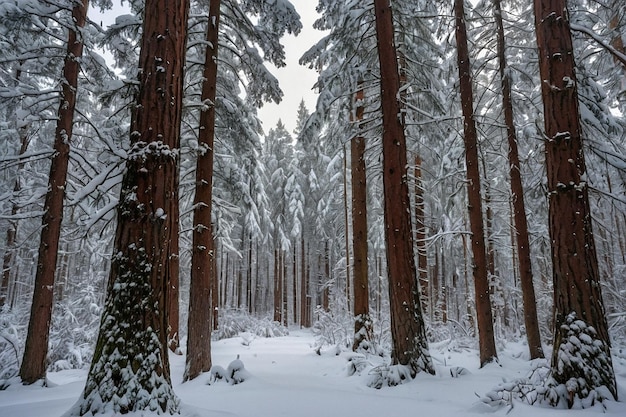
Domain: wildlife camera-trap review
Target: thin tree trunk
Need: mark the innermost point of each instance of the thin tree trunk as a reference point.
(519, 208)
(284, 288)
(326, 294)
(347, 233)
(203, 244)
(577, 293)
(362, 319)
(33, 365)
(481, 282)
(9, 251)
(173, 272)
(130, 371)
(294, 291)
(215, 290)
(304, 293)
(420, 235)
(277, 288)
(249, 291)
(410, 347)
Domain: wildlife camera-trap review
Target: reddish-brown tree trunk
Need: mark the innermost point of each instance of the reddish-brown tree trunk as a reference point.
(284, 288)
(410, 346)
(249, 292)
(203, 250)
(347, 230)
(362, 320)
(9, 251)
(215, 290)
(519, 208)
(33, 365)
(294, 292)
(304, 286)
(173, 271)
(574, 260)
(481, 282)
(130, 370)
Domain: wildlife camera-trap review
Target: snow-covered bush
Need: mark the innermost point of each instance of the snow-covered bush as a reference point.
(234, 374)
(10, 348)
(389, 375)
(580, 377)
(357, 363)
(235, 322)
(74, 331)
(332, 329)
(578, 380)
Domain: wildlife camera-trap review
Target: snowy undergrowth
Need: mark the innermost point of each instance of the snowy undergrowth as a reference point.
(233, 323)
(580, 353)
(10, 349)
(289, 378)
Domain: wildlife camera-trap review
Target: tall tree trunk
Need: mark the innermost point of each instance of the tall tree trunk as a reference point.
(362, 319)
(347, 233)
(294, 291)
(215, 290)
(10, 249)
(33, 365)
(173, 272)
(304, 285)
(410, 347)
(519, 208)
(481, 281)
(577, 294)
(203, 250)
(249, 292)
(130, 370)
(420, 236)
(277, 288)
(326, 291)
(284, 288)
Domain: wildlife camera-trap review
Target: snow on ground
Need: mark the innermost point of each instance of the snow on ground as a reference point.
(288, 379)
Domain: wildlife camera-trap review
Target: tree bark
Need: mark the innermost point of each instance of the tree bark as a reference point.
(362, 319)
(130, 370)
(304, 286)
(9, 251)
(277, 288)
(410, 347)
(203, 250)
(33, 365)
(347, 230)
(215, 290)
(173, 271)
(420, 236)
(517, 194)
(575, 272)
(481, 281)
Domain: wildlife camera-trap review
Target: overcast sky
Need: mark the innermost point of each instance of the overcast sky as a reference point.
(296, 81)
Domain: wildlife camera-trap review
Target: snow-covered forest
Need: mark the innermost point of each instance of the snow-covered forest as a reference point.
(449, 218)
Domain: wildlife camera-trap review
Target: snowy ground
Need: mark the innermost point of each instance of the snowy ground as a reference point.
(289, 379)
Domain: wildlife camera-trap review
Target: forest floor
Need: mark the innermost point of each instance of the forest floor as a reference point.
(287, 378)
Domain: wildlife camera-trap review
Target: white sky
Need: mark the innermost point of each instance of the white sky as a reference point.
(296, 81)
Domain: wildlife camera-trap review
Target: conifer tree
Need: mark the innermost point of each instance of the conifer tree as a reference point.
(130, 369)
(410, 347)
(36, 348)
(581, 359)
